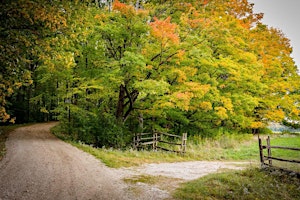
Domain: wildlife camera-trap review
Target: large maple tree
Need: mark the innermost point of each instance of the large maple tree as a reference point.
(107, 69)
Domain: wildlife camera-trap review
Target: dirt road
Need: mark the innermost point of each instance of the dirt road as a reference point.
(40, 166)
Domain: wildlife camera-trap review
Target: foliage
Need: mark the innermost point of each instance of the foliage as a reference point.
(109, 69)
(24, 26)
(246, 184)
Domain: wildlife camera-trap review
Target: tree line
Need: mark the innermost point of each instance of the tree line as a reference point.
(106, 69)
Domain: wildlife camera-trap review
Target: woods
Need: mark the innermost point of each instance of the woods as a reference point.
(107, 69)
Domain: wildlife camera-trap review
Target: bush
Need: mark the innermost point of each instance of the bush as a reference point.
(265, 131)
(97, 130)
(108, 132)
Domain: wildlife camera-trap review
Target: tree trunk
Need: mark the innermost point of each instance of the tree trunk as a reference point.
(120, 105)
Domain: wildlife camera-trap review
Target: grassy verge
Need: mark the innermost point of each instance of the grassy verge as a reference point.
(226, 147)
(246, 184)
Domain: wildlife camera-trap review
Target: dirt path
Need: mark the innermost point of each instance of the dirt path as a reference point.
(39, 166)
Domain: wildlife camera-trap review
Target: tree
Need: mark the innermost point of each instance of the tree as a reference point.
(108, 69)
(24, 24)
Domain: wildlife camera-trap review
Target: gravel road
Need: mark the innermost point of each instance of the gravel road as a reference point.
(40, 166)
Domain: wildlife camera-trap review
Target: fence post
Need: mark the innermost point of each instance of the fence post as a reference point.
(134, 141)
(269, 151)
(183, 142)
(155, 138)
(261, 154)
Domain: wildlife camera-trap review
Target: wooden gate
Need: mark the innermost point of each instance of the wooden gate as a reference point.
(141, 140)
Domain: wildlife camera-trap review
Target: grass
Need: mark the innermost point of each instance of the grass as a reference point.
(118, 158)
(224, 148)
(287, 142)
(247, 184)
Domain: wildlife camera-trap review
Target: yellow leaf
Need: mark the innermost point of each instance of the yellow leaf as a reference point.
(206, 106)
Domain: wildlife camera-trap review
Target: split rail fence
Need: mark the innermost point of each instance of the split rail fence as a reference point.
(269, 158)
(141, 140)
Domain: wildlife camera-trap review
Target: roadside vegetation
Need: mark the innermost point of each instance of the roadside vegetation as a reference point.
(226, 147)
(247, 184)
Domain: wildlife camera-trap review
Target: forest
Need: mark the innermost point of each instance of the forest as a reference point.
(107, 69)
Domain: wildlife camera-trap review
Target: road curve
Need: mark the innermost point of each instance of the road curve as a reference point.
(40, 166)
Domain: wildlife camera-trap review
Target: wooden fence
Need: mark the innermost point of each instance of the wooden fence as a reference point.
(153, 139)
(269, 156)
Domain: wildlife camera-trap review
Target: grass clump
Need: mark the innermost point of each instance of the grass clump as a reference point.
(247, 184)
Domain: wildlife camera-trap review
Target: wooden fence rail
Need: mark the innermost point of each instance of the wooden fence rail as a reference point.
(144, 139)
(269, 156)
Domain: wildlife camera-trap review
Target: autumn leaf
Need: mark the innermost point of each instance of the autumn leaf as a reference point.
(164, 31)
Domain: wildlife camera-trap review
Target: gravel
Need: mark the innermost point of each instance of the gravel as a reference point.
(39, 166)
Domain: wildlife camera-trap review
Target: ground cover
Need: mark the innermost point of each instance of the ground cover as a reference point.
(226, 147)
(246, 184)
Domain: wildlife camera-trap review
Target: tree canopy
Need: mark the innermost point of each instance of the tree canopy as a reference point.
(107, 69)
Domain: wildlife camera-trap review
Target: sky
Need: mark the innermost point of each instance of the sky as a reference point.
(284, 15)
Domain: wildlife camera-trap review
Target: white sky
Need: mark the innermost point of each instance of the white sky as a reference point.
(284, 15)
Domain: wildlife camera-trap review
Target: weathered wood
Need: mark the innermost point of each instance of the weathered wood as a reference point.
(138, 140)
(183, 142)
(149, 138)
(146, 143)
(172, 143)
(281, 159)
(281, 147)
(269, 158)
(261, 153)
(269, 150)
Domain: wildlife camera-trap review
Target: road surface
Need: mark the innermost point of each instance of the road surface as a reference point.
(40, 166)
